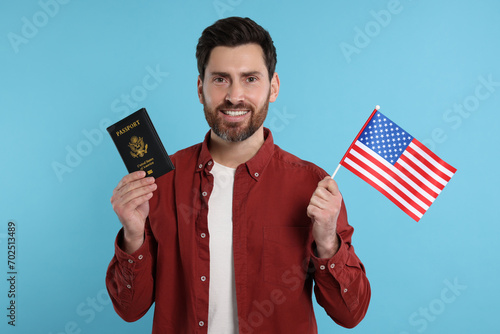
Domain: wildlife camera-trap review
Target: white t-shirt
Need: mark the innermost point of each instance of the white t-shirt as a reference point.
(222, 311)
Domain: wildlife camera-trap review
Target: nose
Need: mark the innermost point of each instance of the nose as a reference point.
(235, 93)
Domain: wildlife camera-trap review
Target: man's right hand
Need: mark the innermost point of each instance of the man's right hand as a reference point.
(130, 201)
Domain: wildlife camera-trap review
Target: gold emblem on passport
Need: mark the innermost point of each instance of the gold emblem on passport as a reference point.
(138, 147)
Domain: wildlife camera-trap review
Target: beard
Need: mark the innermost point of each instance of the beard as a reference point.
(232, 131)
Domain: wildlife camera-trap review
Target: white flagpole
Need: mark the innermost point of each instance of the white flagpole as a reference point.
(377, 107)
(334, 173)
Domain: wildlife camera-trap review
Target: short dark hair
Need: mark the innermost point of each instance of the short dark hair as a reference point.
(235, 31)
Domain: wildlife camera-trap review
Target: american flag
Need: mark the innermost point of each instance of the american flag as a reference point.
(397, 165)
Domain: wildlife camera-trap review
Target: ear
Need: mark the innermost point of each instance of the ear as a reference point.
(275, 87)
(200, 90)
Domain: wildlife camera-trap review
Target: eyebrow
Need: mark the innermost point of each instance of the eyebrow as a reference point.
(245, 74)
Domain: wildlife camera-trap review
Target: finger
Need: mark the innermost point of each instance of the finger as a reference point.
(329, 184)
(130, 178)
(124, 198)
(322, 193)
(135, 202)
(132, 183)
(318, 202)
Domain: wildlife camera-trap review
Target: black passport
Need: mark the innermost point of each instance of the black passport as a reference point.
(139, 145)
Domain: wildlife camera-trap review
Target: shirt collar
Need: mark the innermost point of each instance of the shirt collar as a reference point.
(255, 166)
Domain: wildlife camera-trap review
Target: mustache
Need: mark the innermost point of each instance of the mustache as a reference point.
(229, 105)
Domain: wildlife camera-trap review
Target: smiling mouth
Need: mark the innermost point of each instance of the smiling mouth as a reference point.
(235, 112)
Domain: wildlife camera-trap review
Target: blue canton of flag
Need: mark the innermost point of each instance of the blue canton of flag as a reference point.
(385, 138)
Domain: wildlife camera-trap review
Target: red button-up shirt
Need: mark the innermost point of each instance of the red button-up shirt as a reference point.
(274, 259)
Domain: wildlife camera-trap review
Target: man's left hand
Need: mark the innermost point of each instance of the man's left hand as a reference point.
(324, 209)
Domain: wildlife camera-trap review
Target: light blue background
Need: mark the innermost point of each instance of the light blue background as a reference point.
(67, 79)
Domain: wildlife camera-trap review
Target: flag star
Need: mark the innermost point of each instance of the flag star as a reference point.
(379, 152)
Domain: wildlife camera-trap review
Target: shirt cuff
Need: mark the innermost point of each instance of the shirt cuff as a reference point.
(332, 266)
(137, 259)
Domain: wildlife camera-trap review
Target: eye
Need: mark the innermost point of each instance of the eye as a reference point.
(219, 80)
(251, 79)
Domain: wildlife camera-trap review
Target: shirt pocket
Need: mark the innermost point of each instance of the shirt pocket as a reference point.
(285, 255)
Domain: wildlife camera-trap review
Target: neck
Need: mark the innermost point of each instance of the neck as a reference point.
(233, 154)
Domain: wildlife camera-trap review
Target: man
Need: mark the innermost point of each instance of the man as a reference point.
(232, 239)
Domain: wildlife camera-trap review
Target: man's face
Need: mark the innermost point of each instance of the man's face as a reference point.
(236, 91)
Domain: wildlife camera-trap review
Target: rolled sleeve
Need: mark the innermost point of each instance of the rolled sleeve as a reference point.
(342, 287)
(129, 279)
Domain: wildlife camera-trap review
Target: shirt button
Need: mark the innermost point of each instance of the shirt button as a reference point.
(130, 261)
(204, 193)
(210, 163)
(129, 286)
(140, 257)
(332, 265)
(200, 165)
(256, 174)
(203, 235)
(201, 323)
(322, 267)
(203, 278)
(345, 290)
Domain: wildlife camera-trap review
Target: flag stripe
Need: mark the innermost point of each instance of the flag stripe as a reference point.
(416, 152)
(419, 172)
(411, 173)
(354, 168)
(389, 173)
(387, 181)
(432, 156)
(418, 186)
(427, 172)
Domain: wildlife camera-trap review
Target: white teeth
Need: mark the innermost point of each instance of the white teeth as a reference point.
(234, 113)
